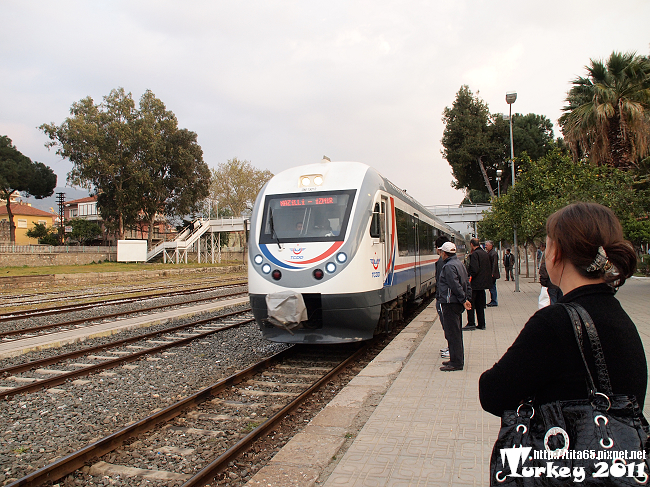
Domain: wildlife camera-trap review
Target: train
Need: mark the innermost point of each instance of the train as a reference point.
(335, 253)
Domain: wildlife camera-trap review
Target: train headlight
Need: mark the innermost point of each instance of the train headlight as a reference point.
(318, 180)
(330, 267)
(305, 181)
(266, 268)
(258, 259)
(341, 257)
(318, 274)
(276, 274)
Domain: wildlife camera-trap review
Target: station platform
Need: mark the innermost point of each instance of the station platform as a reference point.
(404, 422)
(12, 348)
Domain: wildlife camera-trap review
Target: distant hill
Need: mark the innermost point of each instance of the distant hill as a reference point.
(50, 202)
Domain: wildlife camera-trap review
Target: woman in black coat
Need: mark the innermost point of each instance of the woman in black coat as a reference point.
(588, 259)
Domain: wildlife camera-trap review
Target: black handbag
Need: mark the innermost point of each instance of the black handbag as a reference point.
(576, 442)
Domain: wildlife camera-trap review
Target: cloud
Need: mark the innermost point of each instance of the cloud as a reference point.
(283, 83)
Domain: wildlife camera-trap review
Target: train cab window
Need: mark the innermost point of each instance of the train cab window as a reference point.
(306, 217)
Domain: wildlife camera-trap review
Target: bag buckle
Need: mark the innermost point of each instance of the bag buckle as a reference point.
(558, 452)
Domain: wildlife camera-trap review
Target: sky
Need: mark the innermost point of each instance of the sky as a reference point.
(282, 83)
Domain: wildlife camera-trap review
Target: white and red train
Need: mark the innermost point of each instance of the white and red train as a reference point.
(346, 242)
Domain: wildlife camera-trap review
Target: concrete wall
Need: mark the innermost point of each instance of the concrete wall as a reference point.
(59, 258)
(17, 259)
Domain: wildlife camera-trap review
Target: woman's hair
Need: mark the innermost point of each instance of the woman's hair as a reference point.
(579, 229)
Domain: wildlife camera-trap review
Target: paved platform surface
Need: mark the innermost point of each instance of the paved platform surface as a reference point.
(423, 427)
(12, 348)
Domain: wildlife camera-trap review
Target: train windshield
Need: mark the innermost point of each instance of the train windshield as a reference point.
(306, 217)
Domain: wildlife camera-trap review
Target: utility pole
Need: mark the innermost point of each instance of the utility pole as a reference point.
(60, 199)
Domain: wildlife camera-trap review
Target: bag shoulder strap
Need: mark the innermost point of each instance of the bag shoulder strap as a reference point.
(580, 316)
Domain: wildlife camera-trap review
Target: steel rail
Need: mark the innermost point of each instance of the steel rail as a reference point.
(111, 315)
(16, 369)
(18, 315)
(207, 474)
(73, 461)
(22, 299)
(108, 364)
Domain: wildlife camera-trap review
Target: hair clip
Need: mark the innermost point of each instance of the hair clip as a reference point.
(600, 262)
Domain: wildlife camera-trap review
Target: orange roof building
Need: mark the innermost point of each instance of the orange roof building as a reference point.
(25, 216)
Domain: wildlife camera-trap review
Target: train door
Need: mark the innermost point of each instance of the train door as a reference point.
(378, 233)
(418, 269)
(386, 236)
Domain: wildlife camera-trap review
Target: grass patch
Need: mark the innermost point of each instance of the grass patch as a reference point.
(101, 267)
(251, 426)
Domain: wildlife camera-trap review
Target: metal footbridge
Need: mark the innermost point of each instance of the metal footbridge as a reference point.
(198, 237)
(459, 214)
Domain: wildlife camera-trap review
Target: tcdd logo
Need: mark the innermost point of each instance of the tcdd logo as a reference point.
(375, 263)
(298, 250)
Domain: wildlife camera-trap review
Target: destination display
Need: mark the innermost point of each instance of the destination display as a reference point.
(321, 200)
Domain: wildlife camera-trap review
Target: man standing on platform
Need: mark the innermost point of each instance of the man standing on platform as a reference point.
(480, 278)
(508, 263)
(494, 262)
(444, 352)
(454, 293)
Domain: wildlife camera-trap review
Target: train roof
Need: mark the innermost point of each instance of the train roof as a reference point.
(341, 175)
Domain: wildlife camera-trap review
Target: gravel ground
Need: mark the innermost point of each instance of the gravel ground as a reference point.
(40, 427)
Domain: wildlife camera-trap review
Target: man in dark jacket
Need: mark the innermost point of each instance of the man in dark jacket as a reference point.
(454, 292)
(480, 278)
(508, 263)
(494, 263)
(444, 352)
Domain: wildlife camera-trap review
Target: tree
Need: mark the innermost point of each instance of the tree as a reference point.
(102, 144)
(175, 179)
(466, 139)
(137, 160)
(84, 231)
(475, 197)
(235, 185)
(19, 173)
(476, 143)
(607, 116)
(47, 236)
(551, 183)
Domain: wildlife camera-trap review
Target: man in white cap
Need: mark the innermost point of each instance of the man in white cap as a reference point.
(454, 295)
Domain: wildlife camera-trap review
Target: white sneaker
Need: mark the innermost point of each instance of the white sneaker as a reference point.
(444, 354)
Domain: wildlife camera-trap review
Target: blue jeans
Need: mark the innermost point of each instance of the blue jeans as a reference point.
(493, 293)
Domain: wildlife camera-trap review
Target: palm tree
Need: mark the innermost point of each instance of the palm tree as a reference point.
(607, 116)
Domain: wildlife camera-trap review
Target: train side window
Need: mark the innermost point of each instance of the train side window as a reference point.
(376, 223)
(402, 221)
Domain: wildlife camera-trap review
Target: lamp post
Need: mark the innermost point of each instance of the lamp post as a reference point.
(511, 97)
(498, 178)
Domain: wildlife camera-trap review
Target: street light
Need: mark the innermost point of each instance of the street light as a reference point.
(499, 173)
(511, 97)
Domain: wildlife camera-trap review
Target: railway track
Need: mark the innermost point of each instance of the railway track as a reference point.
(17, 300)
(54, 310)
(149, 344)
(229, 416)
(65, 325)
